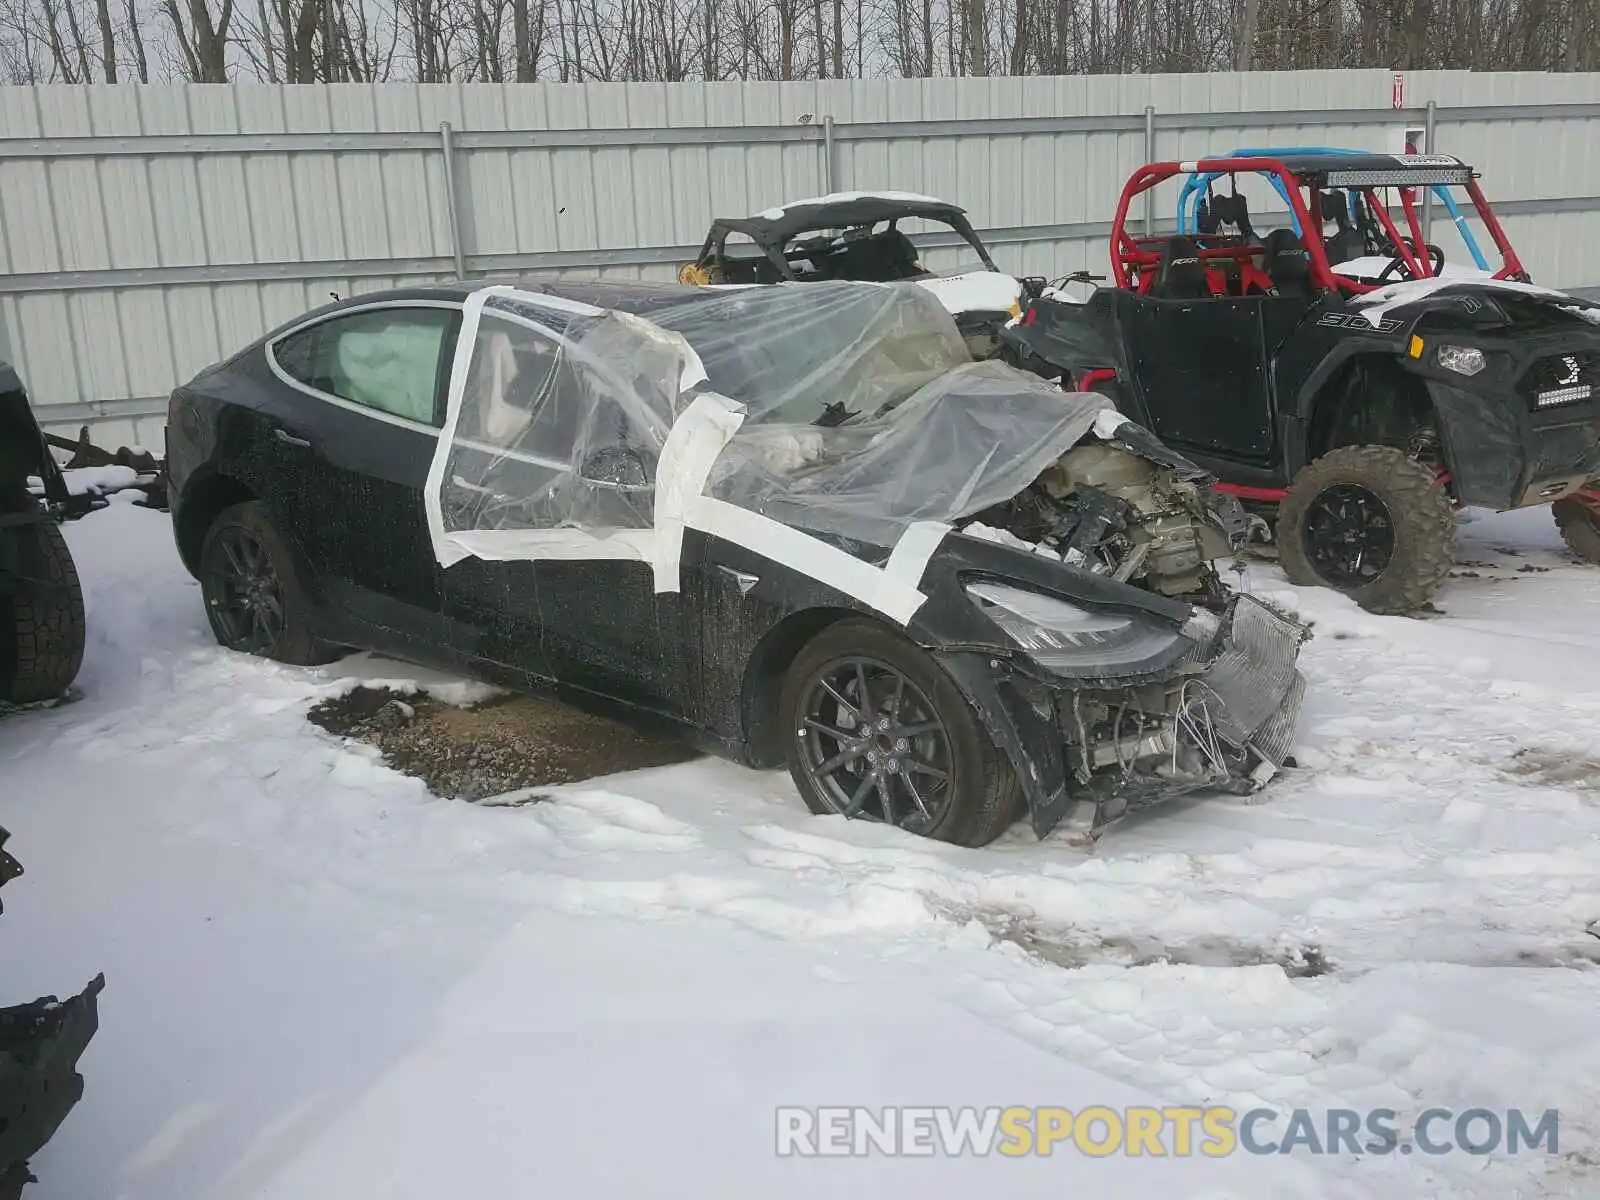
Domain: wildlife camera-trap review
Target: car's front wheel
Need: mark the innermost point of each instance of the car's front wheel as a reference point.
(252, 591)
(1371, 522)
(876, 729)
(1578, 519)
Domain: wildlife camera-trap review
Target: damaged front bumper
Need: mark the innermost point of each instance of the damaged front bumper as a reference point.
(1504, 453)
(1223, 718)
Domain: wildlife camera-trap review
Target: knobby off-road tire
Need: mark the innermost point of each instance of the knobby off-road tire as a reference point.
(1419, 509)
(42, 630)
(1580, 528)
(247, 530)
(984, 797)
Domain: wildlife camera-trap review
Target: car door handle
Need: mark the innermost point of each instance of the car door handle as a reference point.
(289, 439)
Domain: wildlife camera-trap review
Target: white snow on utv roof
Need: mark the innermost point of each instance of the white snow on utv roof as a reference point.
(773, 214)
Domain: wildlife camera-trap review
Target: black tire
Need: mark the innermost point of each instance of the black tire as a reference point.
(1580, 528)
(979, 796)
(1421, 525)
(242, 552)
(42, 629)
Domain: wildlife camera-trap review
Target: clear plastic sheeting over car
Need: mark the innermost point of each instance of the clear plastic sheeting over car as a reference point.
(558, 414)
(835, 419)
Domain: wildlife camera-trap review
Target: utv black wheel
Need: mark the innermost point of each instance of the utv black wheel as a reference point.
(41, 614)
(252, 594)
(1370, 522)
(1580, 528)
(876, 729)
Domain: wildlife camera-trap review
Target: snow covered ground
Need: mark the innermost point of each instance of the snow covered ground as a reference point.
(322, 982)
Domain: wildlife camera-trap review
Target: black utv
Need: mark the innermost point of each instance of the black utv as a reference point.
(1338, 374)
(41, 602)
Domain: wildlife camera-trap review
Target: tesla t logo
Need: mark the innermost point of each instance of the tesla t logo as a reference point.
(1571, 377)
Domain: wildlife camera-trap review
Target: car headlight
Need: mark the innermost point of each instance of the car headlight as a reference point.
(1463, 360)
(1058, 634)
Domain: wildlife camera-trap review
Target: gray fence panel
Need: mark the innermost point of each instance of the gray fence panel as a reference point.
(148, 231)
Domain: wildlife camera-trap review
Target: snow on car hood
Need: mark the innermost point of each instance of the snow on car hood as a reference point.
(1375, 305)
(974, 291)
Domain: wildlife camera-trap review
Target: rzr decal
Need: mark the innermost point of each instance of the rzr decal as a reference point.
(1340, 320)
(1571, 377)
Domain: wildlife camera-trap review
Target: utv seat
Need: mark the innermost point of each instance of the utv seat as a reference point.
(1286, 263)
(1181, 275)
(1347, 243)
(1230, 210)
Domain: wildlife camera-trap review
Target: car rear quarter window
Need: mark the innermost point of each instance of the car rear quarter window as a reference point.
(389, 360)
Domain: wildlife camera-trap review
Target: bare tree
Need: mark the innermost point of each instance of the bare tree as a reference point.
(202, 38)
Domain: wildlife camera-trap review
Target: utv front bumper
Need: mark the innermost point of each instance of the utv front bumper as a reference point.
(1222, 719)
(1507, 446)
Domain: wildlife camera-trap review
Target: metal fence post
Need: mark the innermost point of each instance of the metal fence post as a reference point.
(827, 156)
(1427, 193)
(447, 144)
(1149, 157)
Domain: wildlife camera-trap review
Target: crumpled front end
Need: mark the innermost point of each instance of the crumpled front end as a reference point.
(1224, 720)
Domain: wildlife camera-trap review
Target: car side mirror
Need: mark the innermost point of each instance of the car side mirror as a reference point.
(618, 467)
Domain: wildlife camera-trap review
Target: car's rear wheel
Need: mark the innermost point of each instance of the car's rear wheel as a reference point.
(252, 591)
(876, 729)
(1370, 522)
(42, 631)
(1579, 523)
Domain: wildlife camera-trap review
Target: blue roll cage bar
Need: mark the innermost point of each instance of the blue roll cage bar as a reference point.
(1198, 182)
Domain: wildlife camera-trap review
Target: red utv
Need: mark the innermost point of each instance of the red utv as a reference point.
(1339, 372)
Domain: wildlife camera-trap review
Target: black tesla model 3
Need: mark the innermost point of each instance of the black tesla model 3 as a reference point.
(789, 524)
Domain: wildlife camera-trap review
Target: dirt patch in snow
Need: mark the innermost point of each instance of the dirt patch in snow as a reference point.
(1069, 949)
(1556, 768)
(505, 744)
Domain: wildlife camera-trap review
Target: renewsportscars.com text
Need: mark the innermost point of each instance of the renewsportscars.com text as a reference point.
(1178, 1132)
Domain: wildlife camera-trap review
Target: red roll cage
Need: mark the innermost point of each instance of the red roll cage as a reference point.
(1134, 260)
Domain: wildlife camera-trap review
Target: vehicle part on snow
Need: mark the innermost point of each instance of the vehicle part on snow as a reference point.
(655, 498)
(151, 472)
(42, 630)
(857, 236)
(1257, 360)
(1578, 518)
(40, 1044)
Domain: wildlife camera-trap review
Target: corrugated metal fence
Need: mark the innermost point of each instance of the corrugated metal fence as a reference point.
(148, 231)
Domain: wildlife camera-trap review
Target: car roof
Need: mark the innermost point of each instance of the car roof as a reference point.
(837, 211)
(639, 297)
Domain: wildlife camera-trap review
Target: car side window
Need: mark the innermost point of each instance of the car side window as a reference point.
(391, 360)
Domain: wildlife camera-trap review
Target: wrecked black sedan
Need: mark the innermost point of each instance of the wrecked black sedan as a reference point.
(790, 524)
